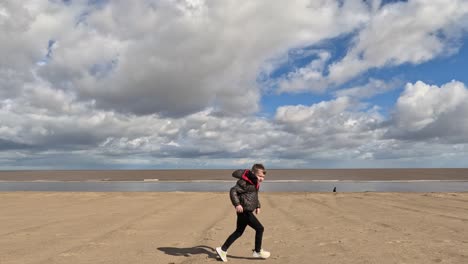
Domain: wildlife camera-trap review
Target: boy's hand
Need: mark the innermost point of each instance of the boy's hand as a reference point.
(257, 211)
(239, 209)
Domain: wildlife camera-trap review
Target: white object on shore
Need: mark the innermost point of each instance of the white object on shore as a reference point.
(150, 179)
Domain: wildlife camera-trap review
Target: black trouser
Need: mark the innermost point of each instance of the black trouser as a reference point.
(244, 219)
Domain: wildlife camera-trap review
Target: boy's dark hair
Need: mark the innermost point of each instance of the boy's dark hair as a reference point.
(257, 167)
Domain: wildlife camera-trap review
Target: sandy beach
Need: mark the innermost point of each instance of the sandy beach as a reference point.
(300, 228)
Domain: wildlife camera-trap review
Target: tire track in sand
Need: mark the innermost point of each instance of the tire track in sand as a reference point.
(50, 223)
(45, 251)
(309, 228)
(128, 224)
(207, 234)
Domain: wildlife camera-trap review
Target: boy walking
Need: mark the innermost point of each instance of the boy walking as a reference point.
(244, 197)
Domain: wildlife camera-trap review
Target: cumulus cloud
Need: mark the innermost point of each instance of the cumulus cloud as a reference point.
(301, 79)
(404, 32)
(430, 112)
(171, 83)
(397, 33)
(150, 56)
(45, 126)
(330, 125)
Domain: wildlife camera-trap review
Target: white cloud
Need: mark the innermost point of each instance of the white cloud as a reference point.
(394, 34)
(430, 112)
(404, 32)
(46, 125)
(302, 78)
(330, 125)
(174, 82)
(372, 88)
(149, 57)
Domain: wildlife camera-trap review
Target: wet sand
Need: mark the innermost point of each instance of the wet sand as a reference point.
(300, 228)
(273, 174)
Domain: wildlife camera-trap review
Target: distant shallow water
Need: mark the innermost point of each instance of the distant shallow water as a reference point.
(223, 186)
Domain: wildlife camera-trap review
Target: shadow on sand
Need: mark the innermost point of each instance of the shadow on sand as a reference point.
(190, 251)
(197, 250)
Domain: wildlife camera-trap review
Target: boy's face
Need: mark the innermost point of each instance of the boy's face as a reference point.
(260, 175)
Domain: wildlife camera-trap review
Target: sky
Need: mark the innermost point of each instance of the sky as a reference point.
(182, 84)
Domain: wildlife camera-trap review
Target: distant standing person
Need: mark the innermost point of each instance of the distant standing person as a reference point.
(244, 198)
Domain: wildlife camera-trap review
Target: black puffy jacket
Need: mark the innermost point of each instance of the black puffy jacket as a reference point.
(245, 192)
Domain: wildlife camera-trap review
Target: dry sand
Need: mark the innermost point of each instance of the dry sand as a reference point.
(300, 228)
(273, 174)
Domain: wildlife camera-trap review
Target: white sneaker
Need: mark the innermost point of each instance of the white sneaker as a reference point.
(222, 254)
(262, 254)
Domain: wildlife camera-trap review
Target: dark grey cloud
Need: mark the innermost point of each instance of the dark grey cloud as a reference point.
(11, 145)
(166, 57)
(164, 83)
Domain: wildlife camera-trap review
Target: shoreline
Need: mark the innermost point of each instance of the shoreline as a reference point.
(219, 186)
(426, 174)
(233, 181)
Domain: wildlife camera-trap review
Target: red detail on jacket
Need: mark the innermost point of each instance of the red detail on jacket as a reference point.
(246, 178)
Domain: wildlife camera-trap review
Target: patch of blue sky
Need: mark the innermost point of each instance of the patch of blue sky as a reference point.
(437, 71)
(298, 58)
(49, 48)
(81, 19)
(301, 57)
(383, 2)
(91, 6)
(386, 2)
(101, 70)
(98, 3)
(271, 102)
(386, 101)
(48, 55)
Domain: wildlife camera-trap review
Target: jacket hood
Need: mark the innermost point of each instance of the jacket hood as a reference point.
(249, 177)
